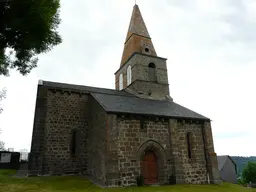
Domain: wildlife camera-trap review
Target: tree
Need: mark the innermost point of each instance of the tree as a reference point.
(2, 96)
(2, 148)
(249, 173)
(27, 28)
(241, 163)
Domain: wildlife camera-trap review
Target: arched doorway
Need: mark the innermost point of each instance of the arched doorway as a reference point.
(150, 168)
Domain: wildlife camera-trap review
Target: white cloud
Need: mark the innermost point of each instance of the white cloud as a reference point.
(210, 46)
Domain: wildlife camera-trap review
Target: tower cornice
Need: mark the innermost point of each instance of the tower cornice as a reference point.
(137, 53)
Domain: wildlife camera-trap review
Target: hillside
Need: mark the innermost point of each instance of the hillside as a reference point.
(241, 162)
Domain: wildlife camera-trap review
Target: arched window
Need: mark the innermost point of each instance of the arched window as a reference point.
(152, 72)
(121, 81)
(129, 75)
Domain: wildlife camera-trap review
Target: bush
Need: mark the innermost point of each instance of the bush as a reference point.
(172, 180)
(240, 181)
(140, 180)
(249, 173)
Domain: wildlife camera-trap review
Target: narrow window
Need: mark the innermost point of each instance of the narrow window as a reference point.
(189, 145)
(73, 143)
(121, 81)
(129, 75)
(141, 124)
(152, 72)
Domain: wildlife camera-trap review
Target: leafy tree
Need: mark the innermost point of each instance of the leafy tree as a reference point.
(241, 163)
(240, 181)
(27, 28)
(2, 148)
(249, 173)
(2, 96)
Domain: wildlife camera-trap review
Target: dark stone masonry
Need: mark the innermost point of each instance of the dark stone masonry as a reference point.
(118, 136)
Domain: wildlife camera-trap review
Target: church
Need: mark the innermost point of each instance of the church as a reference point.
(120, 136)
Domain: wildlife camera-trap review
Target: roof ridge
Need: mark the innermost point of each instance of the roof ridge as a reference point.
(141, 98)
(89, 89)
(80, 85)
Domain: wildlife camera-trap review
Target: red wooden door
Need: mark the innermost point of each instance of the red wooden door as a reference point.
(149, 168)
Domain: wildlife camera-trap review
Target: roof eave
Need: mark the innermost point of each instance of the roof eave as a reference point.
(154, 115)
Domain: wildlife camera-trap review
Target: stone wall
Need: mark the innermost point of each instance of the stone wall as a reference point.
(140, 72)
(212, 162)
(97, 141)
(67, 112)
(189, 170)
(129, 137)
(123, 70)
(150, 90)
(111, 147)
(135, 137)
(112, 159)
(37, 144)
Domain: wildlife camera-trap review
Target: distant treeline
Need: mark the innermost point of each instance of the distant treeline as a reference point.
(241, 162)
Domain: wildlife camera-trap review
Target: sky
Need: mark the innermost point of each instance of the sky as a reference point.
(210, 46)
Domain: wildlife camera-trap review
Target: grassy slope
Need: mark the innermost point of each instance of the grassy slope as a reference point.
(79, 184)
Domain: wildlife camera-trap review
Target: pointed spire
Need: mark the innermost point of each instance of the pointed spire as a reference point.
(137, 39)
(137, 24)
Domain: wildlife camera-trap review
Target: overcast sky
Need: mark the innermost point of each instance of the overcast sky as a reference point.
(211, 51)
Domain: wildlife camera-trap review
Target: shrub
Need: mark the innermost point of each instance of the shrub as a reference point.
(172, 180)
(240, 181)
(249, 173)
(140, 180)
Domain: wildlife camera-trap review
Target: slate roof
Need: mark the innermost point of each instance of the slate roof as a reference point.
(85, 89)
(221, 161)
(123, 102)
(135, 105)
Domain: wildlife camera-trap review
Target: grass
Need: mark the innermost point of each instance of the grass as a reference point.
(79, 184)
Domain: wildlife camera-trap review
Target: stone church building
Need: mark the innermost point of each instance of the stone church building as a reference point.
(115, 136)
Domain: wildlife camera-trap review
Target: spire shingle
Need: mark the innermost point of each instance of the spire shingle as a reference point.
(137, 24)
(137, 39)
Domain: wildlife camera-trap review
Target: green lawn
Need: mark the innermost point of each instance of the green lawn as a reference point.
(79, 184)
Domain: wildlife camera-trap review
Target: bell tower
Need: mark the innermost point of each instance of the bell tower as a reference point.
(141, 71)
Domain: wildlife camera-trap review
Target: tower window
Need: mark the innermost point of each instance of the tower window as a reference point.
(189, 145)
(147, 50)
(129, 75)
(121, 81)
(152, 72)
(152, 65)
(73, 143)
